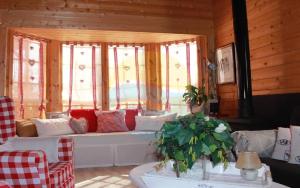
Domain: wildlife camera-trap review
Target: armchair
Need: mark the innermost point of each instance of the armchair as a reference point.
(30, 168)
(4, 185)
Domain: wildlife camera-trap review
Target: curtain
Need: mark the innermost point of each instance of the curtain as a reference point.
(81, 77)
(178, 68)
(127, 77)
(28, 77)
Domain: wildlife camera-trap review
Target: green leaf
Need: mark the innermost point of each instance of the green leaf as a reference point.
(193, 126)
(205, 149)
(220, 136)
(179, 156)
(182, 166)
(212, 148)
(183, 137)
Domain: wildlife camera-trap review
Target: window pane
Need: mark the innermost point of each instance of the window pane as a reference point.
(178, 74)
(30, 76)
(127, 77)
(82, 90)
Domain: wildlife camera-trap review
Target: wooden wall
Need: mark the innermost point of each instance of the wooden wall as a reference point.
(224, 35)
(161, 16)
(274, 33)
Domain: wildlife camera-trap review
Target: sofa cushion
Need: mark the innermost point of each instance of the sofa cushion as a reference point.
(26, 128)
(60, 173)
(130, 118)
(153, 112)
(54, 115)
(89, 115)
(261, 142)
(283, 144)
(283, 172)
(153, 123)
(52, 127)
(79, 126)
(295, 145)
(110, 121)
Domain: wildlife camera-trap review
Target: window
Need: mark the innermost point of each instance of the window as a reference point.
(81, 85)
(175, 74)
(127, 87)
(28, 87)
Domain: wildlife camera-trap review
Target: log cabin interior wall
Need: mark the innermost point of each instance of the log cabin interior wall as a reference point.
(160, 16)
(274, 47)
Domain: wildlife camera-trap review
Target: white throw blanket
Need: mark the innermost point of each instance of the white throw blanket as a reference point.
(47, 144)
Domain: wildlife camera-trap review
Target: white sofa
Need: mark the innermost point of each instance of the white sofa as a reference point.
(113, 149)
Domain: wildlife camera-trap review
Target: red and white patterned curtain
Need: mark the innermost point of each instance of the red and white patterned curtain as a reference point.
(180, 59)
(28, 83)
(127, 77)
(81, 76)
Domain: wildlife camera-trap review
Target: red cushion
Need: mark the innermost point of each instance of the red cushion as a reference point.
(111, 121)
(89, 115)
(130, 118)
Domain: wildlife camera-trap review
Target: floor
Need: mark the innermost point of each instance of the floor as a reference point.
(104, 177)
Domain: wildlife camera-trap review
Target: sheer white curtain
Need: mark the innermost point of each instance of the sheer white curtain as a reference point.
(83, 87)
(174, 59)
(123, 86)
(28, 76)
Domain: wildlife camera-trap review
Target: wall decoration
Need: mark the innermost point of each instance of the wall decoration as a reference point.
(226, 64)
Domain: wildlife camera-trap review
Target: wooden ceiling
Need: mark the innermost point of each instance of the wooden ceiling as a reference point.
(102, 36)
(166, 8)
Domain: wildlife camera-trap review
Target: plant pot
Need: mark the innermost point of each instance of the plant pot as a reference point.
(198, 108)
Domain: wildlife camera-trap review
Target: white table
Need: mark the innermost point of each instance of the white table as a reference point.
(136, 174)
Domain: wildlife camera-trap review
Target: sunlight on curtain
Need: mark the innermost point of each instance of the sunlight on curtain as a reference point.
(178, 74)
(127, 77)
(27, 91)
(82, 85)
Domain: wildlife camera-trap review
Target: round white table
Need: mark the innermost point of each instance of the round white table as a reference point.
(136, 176)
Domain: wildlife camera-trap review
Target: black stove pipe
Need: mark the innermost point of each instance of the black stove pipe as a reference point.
(240, 25)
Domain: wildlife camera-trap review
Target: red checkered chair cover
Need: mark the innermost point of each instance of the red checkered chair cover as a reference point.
(3, 184)
(7, 119)
(30, 168)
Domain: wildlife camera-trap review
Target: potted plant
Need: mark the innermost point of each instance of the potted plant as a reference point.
(195, 97)
(192, 137)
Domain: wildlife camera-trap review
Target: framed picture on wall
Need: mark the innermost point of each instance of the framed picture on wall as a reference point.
(226, 64)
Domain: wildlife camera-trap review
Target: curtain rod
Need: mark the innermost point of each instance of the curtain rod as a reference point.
(130, 44)
(15, 33)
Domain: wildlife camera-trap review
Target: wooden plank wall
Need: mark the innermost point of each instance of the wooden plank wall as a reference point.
(224, 35)
(161, 16)
(274, 33)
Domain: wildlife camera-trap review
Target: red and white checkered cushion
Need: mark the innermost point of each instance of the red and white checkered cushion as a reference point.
(7, 119)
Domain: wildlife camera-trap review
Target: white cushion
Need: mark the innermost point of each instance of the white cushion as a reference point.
(54, 115)
(52, 127)
(262, 142)
(153, 123)
(6, 146)
(283, 143)
(152, 113)
(49, 145)
(295, 145)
